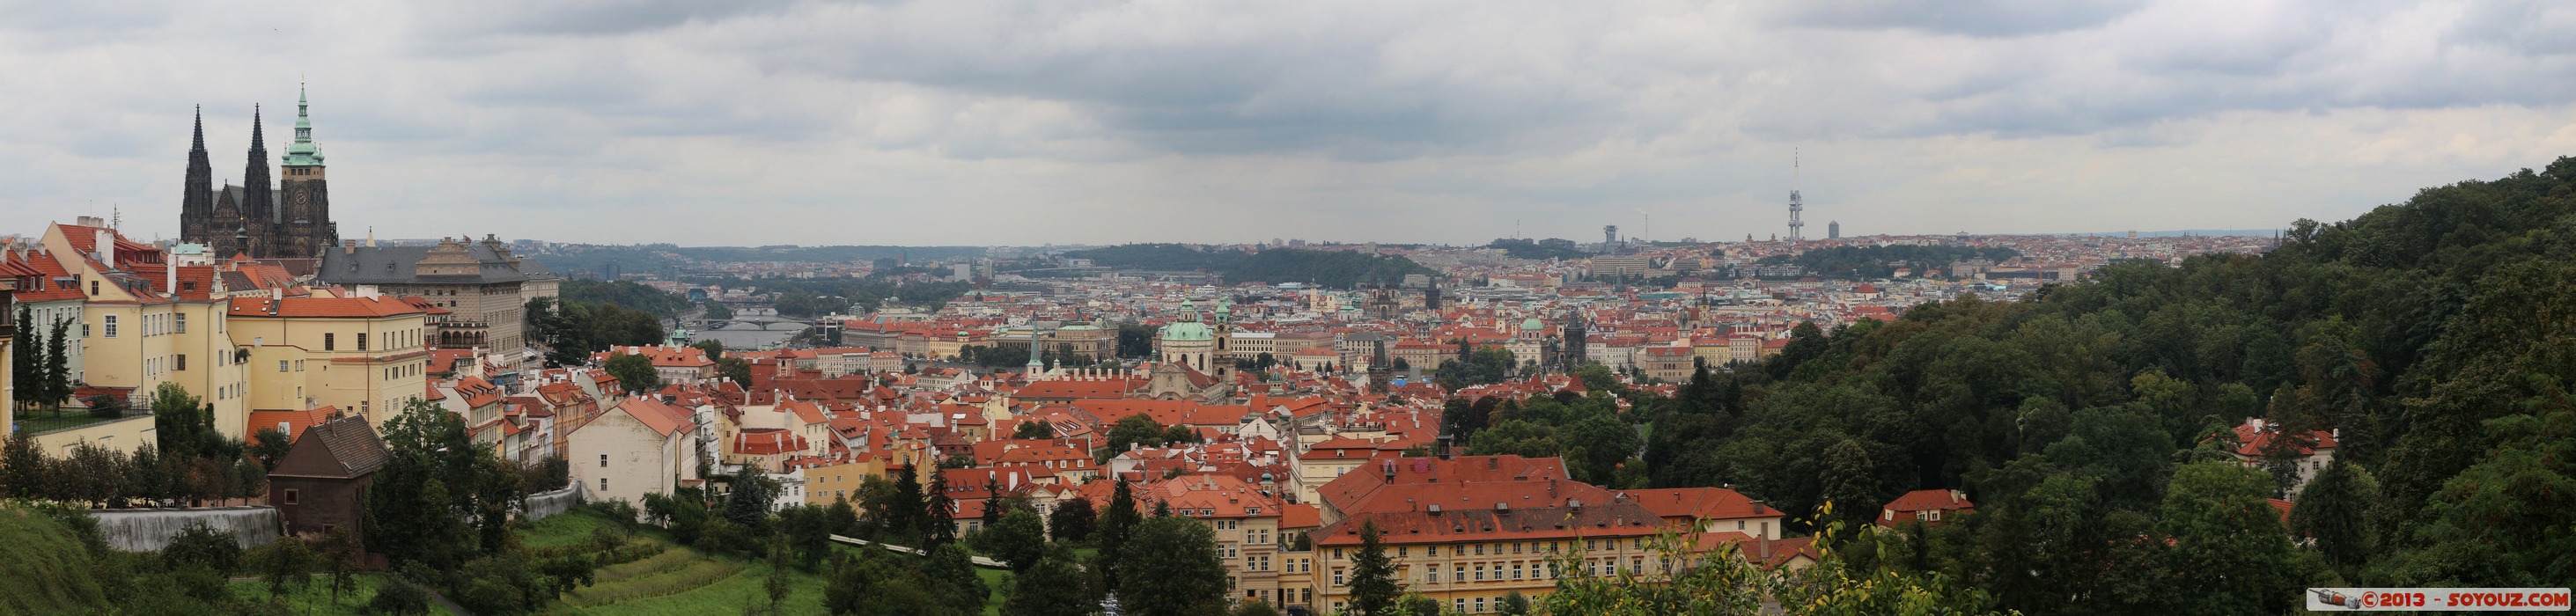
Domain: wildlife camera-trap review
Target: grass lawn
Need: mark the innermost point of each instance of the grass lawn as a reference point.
(995, 580)
(691, 583)
(315, 599)
(570, 527)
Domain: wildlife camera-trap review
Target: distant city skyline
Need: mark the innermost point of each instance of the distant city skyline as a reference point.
(1010, 123)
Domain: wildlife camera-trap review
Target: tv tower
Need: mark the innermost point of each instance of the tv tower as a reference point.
(1796, 203)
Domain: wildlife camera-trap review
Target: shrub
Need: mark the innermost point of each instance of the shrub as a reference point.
(201, 545)
(548, 475)
(398, 597)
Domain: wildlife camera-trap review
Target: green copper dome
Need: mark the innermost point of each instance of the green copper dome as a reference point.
(303, 153)
(1532, 323)
(1188, 331)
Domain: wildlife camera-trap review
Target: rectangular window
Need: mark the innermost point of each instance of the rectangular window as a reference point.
(281, 365)
(1337, 577)
(107, 324)
(182, 364)
(293, 496)
(603, 484)
(362, 341)
(330, 341)
(603, 460)
(179, 324)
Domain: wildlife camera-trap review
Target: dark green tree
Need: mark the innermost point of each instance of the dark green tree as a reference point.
(1054, 586)
(282, 563)
(268, 446)
(1182, 576)
(1853, 483)
(199, 545)
(1018, 540)
(952, 571)
(1071, 521)
(938, 513)
(1133, 431)
(26, 364)
(735, 369)
(1117, 523)
(1373, 585)
(2332, 511)
(1034, 429)
(2229, 545)
(58, 365)
(634, 373)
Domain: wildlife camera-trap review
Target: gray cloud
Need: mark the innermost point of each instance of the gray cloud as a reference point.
(1964, 17)
(1108, 120)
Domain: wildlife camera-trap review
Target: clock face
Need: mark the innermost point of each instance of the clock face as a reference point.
(302, 198)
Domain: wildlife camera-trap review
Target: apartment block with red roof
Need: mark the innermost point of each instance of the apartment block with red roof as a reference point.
(1253, 526)
(1468, 557)
(146, 321)
(366, 353)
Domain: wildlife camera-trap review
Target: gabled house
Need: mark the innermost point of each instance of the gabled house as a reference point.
(641, 446)
(321, 483)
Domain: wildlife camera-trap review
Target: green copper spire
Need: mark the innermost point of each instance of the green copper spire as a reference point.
(302, 153)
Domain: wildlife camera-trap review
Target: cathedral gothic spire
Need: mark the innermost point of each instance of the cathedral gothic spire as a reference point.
(287, 216)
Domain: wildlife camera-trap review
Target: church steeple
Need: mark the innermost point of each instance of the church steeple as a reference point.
(302, 153)
(197, 193)
(304, 219)
(258, 208)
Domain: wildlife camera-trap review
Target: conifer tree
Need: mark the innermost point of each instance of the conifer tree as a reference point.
(1373, 587)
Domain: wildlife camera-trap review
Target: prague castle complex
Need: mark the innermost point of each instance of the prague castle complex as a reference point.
(289, 220)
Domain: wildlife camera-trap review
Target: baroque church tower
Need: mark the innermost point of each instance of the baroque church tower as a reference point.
(249, 218)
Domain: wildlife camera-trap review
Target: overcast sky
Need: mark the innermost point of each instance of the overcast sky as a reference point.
(1102, 121)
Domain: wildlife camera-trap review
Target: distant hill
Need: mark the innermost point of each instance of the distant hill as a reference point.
(570, 258)
(2192, 232)
(1866, 262)
(1331, 268)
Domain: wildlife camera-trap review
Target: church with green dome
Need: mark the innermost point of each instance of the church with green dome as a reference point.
(1197, 345)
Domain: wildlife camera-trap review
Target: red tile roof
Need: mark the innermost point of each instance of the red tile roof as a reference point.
(1699, 503)
(2255, 439)
(1948, 501)
(663, 419)
(294, 422)
(1489, 523)
(767, 441)
(322, 307)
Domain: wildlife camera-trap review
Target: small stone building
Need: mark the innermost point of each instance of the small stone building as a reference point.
(321, 484)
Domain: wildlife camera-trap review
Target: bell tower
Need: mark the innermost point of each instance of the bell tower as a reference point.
(305, 224)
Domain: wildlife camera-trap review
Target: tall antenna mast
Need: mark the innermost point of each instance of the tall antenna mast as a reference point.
(1796, 203)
